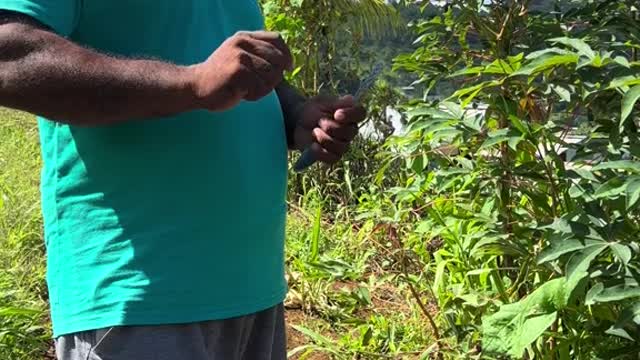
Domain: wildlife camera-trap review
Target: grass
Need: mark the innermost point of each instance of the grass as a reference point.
(345, 301)
(24, 330)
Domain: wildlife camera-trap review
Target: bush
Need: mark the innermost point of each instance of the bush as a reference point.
(525, 180)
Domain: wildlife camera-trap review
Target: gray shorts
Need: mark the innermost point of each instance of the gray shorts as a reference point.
(260, 336)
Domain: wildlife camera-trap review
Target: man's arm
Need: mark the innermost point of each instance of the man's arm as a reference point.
(48, 75)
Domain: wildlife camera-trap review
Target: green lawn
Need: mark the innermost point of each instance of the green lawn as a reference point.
(339, 306)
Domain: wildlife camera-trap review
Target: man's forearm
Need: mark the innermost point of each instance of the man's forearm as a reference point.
(291, 102)
(50, 76)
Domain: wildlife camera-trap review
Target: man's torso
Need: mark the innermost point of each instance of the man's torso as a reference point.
(163, 220)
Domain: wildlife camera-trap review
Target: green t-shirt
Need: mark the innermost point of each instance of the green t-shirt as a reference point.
(159, 221)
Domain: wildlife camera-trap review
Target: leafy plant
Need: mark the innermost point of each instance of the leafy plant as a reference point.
(521, 165)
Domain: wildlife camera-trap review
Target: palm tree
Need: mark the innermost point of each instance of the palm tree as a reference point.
(326, 23)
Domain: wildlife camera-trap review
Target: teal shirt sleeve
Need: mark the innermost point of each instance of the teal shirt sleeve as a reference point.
(60, 15)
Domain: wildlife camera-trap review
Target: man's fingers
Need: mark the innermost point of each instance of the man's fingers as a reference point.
(276, 40)
(339, 131)
(323, 155)
(260, 77)
(347, 101)
(330, 144)
(266, 76)
(350, 115)
(268, 52)
(303, 138)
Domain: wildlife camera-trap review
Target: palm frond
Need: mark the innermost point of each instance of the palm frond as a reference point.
(375, 18)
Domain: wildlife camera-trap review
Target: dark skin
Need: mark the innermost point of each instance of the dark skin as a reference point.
(48, 75)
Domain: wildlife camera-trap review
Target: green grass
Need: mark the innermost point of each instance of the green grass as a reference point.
(345, 302)
(345, 288)
(24, 333)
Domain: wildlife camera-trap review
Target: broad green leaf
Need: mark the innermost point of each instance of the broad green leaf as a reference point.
(518, 124)
(624, 82)
(563, 226)
(586, 174)
(471, 92)
(582, 47)
(494, 141)
(468, 71)
(621, 60)
(515, 326)
(633, 192)
(611, 189)
(576, 191)
(435, 126)
(535, 326)
(496, 137)
(558, 248)
(470, 98)
(623, 165)
(580, 262)
(628, 102)
(618, 293)
(593, 293)
(622, 252)
(514, 141)
(423, 111)
(546, 62)
(556, 51)
(334, 267)
(563, 92)
(620, 333)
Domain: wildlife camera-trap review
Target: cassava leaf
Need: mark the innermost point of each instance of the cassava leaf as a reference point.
(514, 141)
(580, 45)
(494, 141)
(617, 293)
(564, 93)
(558, 248)
(546, 62)
(580, 261)
(633, 191)
(624, 82)
(611, 189)
(593, 292)
(622, 252)
(515, 326)
(519, 124)
(628, 102)
(622, 165)
(615, 331)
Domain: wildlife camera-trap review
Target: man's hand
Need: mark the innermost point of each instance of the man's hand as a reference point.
(328, 125)
(247, 66)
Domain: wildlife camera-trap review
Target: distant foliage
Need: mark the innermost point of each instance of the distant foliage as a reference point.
(511, 200)
(525, 179)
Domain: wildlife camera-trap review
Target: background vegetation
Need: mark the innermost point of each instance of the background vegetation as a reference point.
(499, 221)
